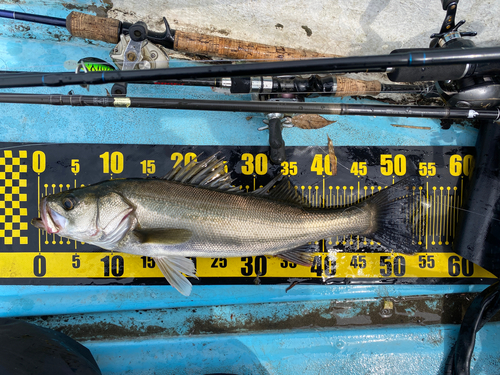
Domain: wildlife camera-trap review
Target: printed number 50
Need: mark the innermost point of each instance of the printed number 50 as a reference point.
(388, 166)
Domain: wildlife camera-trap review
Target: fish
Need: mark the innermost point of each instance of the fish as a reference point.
(195, 211)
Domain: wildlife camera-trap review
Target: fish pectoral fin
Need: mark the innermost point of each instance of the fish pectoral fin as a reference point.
(173, 268)
(302, 255)
(163, 236)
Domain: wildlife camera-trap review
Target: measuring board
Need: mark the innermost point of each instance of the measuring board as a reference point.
(31, 256)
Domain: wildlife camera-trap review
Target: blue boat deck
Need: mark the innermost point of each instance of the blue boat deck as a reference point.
(244, 329)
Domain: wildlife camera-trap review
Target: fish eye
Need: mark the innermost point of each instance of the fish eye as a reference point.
(69, 203)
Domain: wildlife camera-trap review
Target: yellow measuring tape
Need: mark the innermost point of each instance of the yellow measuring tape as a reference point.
(26, 175)
(338, 265)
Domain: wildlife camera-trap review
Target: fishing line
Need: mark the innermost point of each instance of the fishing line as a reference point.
(462, 209)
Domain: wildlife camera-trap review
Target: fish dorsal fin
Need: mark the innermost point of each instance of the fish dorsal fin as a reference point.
(211, 173)
(163, 236)
(302, 255)
(173, 268)
(208, 173)
(283, 191)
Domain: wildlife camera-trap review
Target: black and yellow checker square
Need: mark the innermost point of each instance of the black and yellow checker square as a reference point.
(13, 216)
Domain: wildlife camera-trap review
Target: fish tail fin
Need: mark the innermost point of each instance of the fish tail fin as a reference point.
(173, 268)
(398, 215)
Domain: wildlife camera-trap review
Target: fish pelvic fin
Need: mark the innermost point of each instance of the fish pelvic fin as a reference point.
(173, 268)
(398, 215)
(302, 255)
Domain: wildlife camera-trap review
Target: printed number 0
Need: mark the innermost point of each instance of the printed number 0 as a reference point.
(38, 162)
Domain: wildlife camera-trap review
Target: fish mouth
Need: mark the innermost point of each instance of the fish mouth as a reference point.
(49, 220)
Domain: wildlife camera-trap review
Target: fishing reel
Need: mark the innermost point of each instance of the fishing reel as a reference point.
(461, 85)
(129, 54)
(134, 51)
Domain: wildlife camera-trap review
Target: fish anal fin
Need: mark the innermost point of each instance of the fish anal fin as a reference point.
(302, 255)
(173, 268)
(163, 236)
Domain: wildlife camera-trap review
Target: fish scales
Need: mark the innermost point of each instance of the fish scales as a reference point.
(229, 224)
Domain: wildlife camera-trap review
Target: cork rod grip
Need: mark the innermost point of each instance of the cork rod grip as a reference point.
(351, 87)
(237, 49)
(92, 27)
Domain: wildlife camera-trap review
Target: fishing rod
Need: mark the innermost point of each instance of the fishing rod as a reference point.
(109, 30)
(329, 85)
(324, 85)
(253, 106)
(476, 61)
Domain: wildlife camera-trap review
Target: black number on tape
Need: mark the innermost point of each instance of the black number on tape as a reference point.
(454, 266)
(467, 267)
(286, 264)
(148, 262)
(399, 266)
(385, 261)
(39, 266)
(219, 262)
(358, 261)
(117, 265)
(327, 265)
(330, 266)
(76, 261)
(426, 261)
(260, 266)
(317, 266)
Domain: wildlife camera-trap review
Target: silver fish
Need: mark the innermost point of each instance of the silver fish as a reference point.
(195, 212)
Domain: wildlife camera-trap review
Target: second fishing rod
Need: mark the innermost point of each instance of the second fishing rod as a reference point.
(253, 106)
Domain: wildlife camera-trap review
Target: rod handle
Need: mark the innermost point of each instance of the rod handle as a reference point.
(237, 49)
(352, 87)
(276, 142)
(92, 27)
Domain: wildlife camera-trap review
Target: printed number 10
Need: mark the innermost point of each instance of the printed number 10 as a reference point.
(113, 162)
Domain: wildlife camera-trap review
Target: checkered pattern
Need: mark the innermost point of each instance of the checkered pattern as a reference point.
(13, 216)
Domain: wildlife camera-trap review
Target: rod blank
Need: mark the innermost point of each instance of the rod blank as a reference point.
(344, 64)
(46, 20)
(253, 106)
